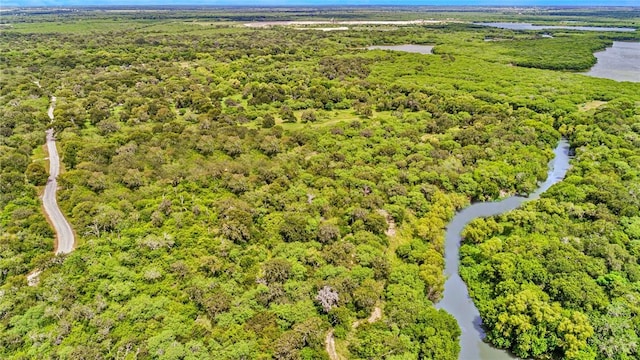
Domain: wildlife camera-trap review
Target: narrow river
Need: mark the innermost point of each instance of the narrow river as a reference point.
(456, 299)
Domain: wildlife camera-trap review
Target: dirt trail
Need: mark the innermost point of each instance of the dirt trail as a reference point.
(376, 313)
(330, 341)
(64, 234)
(330, 345)
(391, 224)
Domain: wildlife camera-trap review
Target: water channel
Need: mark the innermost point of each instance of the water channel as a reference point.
(456, 298)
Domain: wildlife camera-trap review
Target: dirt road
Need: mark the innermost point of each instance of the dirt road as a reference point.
(64, 233)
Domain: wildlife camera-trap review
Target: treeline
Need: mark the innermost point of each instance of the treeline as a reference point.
(26, 238)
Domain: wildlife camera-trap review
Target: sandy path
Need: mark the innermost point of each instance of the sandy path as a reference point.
(64, 234)
(330, 341)
(330, 345)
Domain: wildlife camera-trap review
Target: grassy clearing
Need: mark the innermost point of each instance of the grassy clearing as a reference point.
(325, 118)
(591, 105)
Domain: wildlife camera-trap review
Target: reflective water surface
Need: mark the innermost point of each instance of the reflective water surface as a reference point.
(620, 62)
(420, 49)
(456, 299)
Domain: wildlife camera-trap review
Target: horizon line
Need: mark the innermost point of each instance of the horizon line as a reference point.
(318, 6)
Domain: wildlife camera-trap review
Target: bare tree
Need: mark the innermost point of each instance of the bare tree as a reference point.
(328, 298)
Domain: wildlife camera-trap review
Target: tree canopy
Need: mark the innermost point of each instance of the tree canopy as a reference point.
(237, 192)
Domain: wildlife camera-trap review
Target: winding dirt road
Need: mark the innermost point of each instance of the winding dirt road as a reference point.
(64, 233)
(65, 239)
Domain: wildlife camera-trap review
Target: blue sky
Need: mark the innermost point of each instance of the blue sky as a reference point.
(9, 3)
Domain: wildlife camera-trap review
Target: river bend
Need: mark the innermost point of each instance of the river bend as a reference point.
(456, 298)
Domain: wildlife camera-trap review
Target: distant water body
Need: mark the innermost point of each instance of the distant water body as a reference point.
(620, 62)
(525, 26)
(420, 49)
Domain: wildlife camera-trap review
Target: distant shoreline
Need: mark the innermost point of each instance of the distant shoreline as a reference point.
(73, 6)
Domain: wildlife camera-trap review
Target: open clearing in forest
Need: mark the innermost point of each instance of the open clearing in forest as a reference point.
(592, 105)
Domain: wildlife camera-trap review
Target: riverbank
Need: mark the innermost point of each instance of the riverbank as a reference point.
(456, 299)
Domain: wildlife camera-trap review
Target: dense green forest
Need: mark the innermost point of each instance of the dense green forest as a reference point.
(239, 192)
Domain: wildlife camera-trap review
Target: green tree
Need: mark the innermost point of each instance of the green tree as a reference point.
(36, 174)
(268, 121)
(287, 115)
